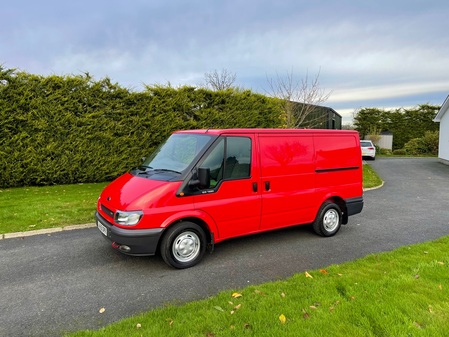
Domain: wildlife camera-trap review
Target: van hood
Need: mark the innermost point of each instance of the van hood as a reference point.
(129, 192)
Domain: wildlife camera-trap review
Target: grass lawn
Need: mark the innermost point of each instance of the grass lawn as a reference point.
(400, 293)
(30, 208)
(370, 177)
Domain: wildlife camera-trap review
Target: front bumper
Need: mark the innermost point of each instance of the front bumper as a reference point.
(140, 241)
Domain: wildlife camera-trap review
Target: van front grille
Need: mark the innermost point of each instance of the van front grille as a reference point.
(107, 211)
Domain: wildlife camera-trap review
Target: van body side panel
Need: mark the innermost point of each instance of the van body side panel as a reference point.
(288, 180)
(338, 166)
(235, 207)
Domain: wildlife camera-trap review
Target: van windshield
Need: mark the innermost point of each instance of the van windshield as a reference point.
(176, 153)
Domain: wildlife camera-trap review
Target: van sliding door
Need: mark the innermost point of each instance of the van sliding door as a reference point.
(287, 180)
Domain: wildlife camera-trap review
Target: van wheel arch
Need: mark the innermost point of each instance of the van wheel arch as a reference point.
(342, 204)
(329, 219)
(183, 245)
(198, 231)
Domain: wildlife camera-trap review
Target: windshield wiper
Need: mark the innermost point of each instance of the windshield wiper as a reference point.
(166, 170)
(145, 167)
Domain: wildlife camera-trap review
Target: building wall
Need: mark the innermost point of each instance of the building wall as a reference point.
(443, 150)
(385, 142)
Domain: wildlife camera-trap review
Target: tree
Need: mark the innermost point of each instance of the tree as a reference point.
(405, 124)
(299, 99)
(220, 81)
(366, 119)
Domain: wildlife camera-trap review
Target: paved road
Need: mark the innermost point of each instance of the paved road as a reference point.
(55, 284)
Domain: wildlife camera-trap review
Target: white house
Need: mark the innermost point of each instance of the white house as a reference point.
(443, 118)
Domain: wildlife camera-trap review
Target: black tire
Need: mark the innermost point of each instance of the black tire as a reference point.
(328, 220)
(183, 245)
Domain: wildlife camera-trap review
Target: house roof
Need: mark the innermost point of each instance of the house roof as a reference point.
(444, 108)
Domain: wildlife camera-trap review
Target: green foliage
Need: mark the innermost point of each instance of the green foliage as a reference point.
(72, 129)
(427, 145)
(385, 152)
(400, 152)
(405, 124)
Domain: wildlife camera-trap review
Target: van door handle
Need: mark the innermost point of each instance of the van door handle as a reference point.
(267, 186)
(254, 187)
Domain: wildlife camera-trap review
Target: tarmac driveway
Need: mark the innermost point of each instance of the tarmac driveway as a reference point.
(51, 284)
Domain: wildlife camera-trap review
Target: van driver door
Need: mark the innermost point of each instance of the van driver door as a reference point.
(233, 198)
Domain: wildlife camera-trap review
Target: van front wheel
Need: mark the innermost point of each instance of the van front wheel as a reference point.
(183, 245)
(328, 220)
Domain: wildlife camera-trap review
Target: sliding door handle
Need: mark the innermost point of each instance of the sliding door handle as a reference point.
(267, 186)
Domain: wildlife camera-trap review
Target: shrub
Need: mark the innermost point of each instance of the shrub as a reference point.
(385, 152)
(400, 152)
(426, 145)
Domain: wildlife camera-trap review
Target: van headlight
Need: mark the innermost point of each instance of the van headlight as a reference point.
(128, 218)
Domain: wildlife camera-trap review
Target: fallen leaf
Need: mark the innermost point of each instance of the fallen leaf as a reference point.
(102, 310)
(236, 295)
(237, 307)
(440, 287)
(258, 292)
(430, 309)
(441, 263)
(247, 326)
(232, 312)
(312, 307)
(138, 325)
(308, 275)
(306, 315)
(417, 325)
(417, 276)
(218, 308)
(283, 319)
(282, 295)
(323, 271)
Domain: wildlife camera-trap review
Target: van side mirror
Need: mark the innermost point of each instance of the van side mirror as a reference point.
(203, 178)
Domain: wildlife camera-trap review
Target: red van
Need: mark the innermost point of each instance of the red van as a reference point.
(201, 187)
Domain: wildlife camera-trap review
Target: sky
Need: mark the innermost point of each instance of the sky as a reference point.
(365, 53)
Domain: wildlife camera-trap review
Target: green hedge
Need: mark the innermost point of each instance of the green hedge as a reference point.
(72, 129)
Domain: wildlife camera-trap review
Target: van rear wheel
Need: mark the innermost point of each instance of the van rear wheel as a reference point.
(183, 245)
(328, 220)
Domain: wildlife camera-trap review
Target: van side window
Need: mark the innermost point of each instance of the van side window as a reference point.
(230, 159)
(238, 158)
